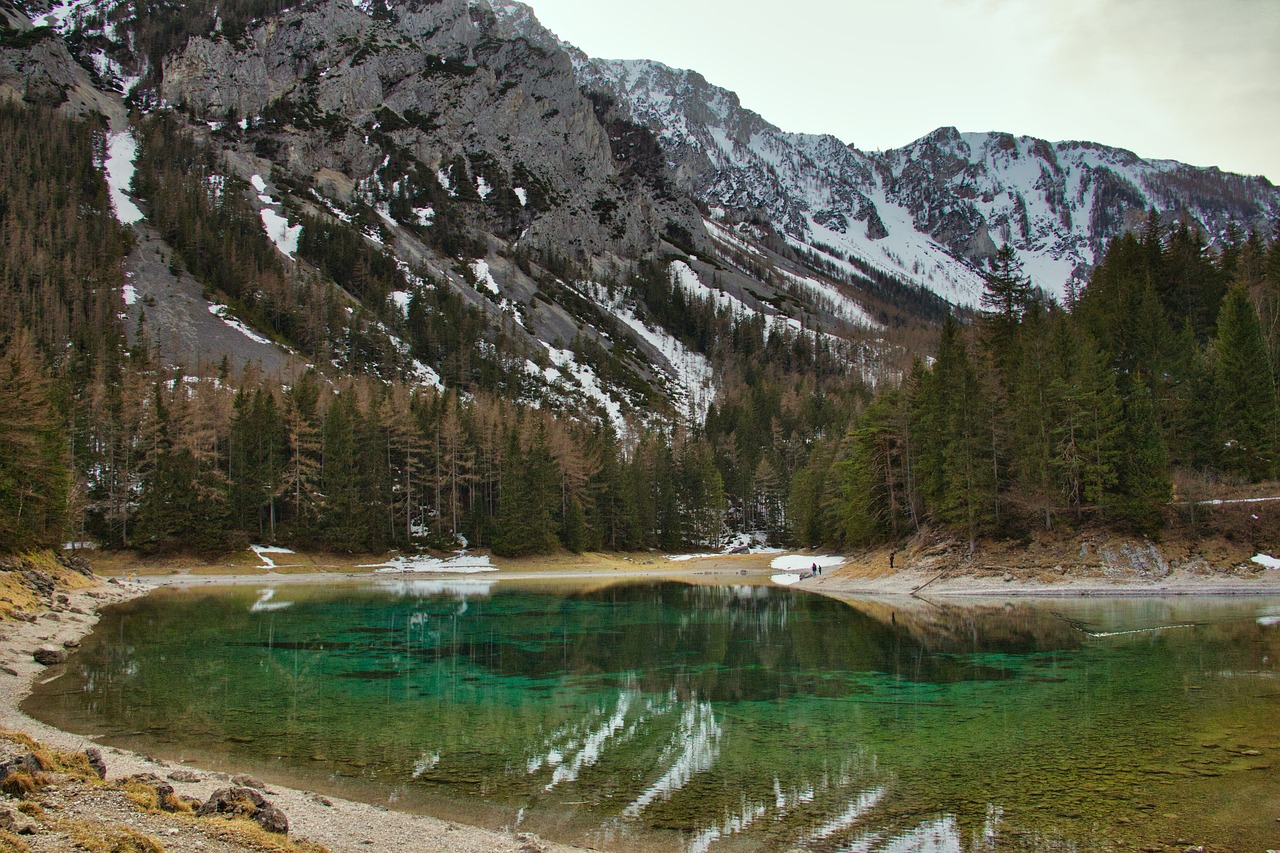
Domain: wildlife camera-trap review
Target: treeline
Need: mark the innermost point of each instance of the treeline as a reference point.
(365, 466)
(1163, 369)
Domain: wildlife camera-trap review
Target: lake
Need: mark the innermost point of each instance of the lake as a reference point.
(671, 717)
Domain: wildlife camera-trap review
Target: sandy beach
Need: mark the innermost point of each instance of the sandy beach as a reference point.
(342, 825)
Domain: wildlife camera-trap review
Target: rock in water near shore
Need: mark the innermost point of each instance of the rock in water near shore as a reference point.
(48, 656)
(247, 802)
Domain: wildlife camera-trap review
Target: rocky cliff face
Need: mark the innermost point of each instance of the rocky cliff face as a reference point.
(452, 85)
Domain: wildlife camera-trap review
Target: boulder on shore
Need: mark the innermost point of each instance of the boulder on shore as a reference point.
(248, 803)
(49, 656)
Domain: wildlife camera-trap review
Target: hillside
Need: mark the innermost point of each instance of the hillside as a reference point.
(370, 275)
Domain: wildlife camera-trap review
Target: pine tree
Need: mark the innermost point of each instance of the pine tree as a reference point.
(341, 511)
(1244, 390)
(968, 500)
(1087, 435)
(1006, 296)
(873, 475)
(34, 478)
(1143, 487)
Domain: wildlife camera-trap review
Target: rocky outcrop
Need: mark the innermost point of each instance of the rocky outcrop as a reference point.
(37, 68)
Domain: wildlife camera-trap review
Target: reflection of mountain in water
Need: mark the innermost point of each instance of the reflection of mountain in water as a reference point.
(673, 718)
(848, 806)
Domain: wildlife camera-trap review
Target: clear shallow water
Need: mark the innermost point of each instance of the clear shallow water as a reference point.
(695, 718)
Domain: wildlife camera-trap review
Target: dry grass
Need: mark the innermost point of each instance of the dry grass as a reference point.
(111, 839)
(74, 764)
(251, 836)
(11, 843)
(21, 784)
(142, 796)
(20, 737)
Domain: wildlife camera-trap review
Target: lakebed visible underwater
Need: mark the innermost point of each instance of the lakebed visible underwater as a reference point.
(662, 716)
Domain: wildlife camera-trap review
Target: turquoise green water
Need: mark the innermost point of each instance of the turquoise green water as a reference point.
(694, 718)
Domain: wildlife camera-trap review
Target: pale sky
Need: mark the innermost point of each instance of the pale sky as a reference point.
(1190, 80)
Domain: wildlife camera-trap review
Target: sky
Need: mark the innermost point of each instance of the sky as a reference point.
(1190, 80)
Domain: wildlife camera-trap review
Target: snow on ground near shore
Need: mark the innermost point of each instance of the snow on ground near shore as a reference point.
(798, 562)
(790, 565)
(743, 543)
(1267, 561)
(263, 550)
(463, 563)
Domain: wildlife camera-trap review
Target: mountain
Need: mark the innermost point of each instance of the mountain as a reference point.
(456, 137)
(363, 274)
(536, 147)
(933, 212)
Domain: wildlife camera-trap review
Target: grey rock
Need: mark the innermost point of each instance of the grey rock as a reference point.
(28, 764)
(14, 821)
(246, 802)
(49, 656)
(247, 781)
(96, 761)
(184, 775)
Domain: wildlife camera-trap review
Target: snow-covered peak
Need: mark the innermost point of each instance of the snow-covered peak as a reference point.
(933, 212)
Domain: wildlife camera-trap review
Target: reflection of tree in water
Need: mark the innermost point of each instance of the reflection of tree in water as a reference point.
(712, 716)
(944, 627)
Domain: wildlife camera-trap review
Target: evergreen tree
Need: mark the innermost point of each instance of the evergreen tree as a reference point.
(34, 477)
(1245, 392)
(1006, 296)
(1143, 486)
(1087, 435)
(873, 475)
(341, 511)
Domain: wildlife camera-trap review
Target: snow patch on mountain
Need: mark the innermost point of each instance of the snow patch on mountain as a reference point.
(282, 234)
(223, 313)
(122, 152)
(933, 212)
(484, 278)
(692, 385)
(566, 363)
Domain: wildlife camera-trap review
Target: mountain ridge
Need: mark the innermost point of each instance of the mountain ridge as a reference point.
(948, 184)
